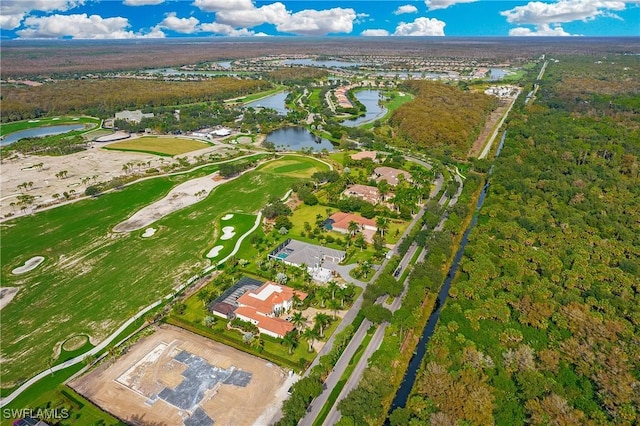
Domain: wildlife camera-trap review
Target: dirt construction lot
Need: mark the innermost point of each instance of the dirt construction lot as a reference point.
(175, 377)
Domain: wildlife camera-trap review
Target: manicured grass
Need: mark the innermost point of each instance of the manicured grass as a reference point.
(241, 224)
(300, 167)
(158, 145)
(92, 280)
(16, 126)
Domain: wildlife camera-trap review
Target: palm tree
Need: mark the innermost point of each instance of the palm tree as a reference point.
(382, 224)
(321, 321)
(352, 228)
(333, 286)
(291, 340)
(298, 321)
(311, 334)
(322, 294)
(334, 305)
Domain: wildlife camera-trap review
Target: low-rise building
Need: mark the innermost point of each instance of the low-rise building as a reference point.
(367, 193)
(263, 306)
(133, 116)
(391, 175)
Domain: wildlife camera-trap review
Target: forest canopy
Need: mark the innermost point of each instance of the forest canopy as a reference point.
(102, 98)
(542, 321)
(441, 116)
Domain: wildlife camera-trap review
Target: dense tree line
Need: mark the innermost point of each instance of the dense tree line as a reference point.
(542, 322)
(102, 98)
(48, 145)
(441, 116)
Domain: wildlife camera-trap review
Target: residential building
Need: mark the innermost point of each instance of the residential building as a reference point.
(263, 306)
(364, 154)
(390, 174)
(367, 193)
(340, 221)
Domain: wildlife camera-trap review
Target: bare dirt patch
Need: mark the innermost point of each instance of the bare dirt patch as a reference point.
(139, 386)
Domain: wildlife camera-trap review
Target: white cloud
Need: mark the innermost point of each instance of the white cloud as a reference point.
(319, 22)
(227, 30)
(219, 5)
(180, 25)
(142, 2)
(541, 30)
(443, 4)
(421, 27)
(81, 26)
(407, 8)
(13, 11)
(275, 13)
(375, 33)
(538, 13)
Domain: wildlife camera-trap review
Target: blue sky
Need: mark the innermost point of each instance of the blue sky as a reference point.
(121, 19)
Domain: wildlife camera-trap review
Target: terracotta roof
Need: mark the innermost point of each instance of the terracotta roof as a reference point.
(364, 154)
(275, 325)
(341, 220)
(368, 193)
(268, 296)
(390, 174)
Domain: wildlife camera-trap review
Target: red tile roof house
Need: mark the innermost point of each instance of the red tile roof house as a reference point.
(340, 222)
(262, 307)
(369, 194)
(390, 174)
(364, 154)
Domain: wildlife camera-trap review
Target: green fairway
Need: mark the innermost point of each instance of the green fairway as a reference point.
(92, 279)
(16, 126)
(239, 224)
(157, 145)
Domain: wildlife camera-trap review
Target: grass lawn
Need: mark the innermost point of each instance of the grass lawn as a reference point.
(16, 126)
(158, 145)
(92, 280)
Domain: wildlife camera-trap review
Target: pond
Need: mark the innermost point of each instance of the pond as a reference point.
(370, 99)
(38, 132)
(275, 101)
(297, 138)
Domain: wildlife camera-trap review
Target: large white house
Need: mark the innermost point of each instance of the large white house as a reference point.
(263, 306)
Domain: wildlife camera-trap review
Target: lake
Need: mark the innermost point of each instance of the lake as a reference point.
(273, 101)
(370, 99)
(297, 138)
(38, 132)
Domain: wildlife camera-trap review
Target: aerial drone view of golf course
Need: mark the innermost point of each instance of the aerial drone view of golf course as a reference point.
(81, 270)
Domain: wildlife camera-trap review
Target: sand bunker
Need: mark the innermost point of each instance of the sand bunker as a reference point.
(28, 265)
(227, 233)
(148, 232)
(214, 252)
(6, 294)
(227, 216)
(178, 198)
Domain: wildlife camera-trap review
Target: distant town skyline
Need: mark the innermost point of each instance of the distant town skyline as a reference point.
(127, 19)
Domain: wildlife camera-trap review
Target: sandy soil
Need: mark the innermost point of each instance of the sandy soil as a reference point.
(124, 387)
(83, 169)
(29, 265)
(179, 197)
(6, 294)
